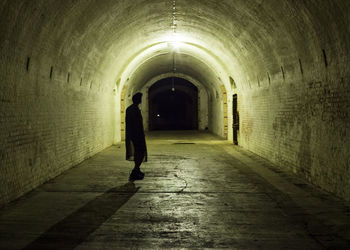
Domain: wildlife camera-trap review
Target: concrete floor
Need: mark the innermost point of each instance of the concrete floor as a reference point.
(199, 192)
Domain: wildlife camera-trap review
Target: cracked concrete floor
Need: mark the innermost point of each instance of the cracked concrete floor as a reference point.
(199, 192)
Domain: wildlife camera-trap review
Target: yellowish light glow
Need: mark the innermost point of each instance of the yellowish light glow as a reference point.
(175, 45)
(175, 41)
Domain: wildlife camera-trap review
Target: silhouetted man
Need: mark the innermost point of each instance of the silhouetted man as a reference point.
(135, 137)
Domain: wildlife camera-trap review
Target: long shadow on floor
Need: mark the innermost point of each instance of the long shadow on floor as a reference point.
(75, 228)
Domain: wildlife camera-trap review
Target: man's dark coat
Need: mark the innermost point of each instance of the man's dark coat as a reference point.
(134, 133)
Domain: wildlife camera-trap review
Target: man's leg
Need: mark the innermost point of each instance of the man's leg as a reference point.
(138, 158)
(136, 172)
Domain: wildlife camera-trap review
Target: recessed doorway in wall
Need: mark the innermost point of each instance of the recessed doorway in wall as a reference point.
(173, 105)
(235, 122)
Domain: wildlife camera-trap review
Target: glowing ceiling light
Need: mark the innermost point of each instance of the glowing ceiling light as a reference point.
(175, 44)
(175, 41)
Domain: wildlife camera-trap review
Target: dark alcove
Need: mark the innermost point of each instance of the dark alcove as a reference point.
(173, 105)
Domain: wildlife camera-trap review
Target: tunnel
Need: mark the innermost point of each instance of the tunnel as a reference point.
(173, 105)
(266, 78)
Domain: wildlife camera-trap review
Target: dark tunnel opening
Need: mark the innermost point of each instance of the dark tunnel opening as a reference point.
(173, 105)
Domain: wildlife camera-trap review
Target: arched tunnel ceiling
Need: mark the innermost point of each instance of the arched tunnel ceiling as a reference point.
(61, 60)
(100, 38)
(175, 60)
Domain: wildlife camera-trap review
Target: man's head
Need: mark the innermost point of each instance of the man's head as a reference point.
(136, 99)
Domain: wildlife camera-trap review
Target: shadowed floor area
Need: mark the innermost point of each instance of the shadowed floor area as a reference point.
(75, 228)
(199, 192)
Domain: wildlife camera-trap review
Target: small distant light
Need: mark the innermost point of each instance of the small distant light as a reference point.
(173, 89)
(158, 115)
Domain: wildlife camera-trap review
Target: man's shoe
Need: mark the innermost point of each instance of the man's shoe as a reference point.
(136, 175)
(138, 172)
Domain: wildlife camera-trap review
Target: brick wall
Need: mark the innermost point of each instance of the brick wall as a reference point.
(302, 123)
(225, 114)
(122, 113)
(47, 125)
